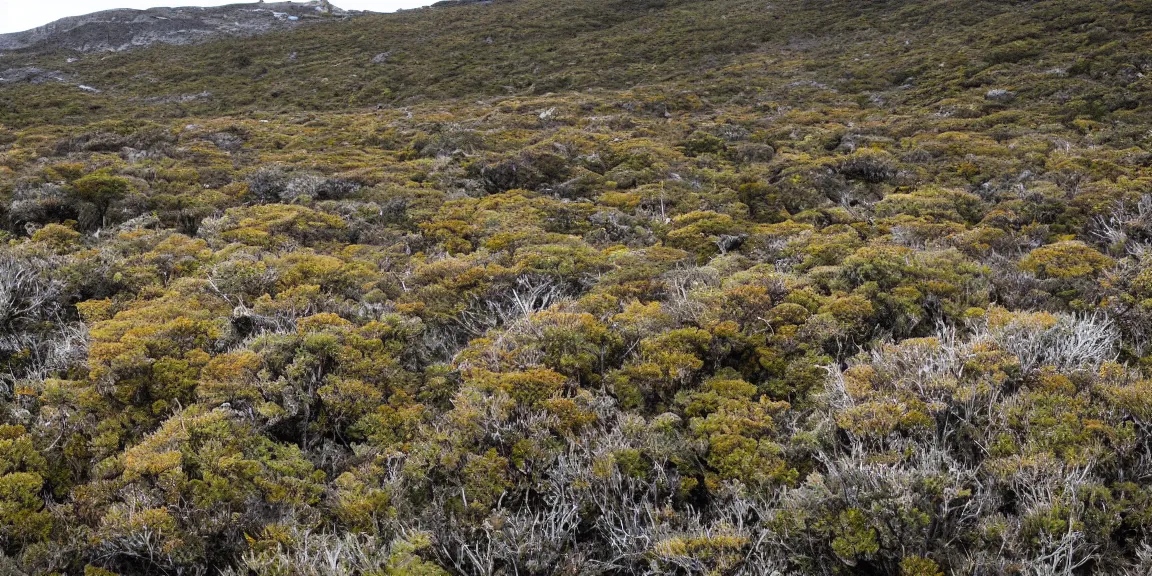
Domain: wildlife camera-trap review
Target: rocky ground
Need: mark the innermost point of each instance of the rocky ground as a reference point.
(118, 30)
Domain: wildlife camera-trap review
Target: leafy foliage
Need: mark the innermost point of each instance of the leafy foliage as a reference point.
(674, 287)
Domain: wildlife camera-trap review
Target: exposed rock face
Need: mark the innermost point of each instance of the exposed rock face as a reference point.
(30, 74)
(1000, 95)
(116, 30)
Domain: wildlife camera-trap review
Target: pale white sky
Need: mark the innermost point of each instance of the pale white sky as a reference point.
(17, 15)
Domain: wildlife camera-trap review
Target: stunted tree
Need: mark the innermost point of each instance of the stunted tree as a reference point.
(100, 190)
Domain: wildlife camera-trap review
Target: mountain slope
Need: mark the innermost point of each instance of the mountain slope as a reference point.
(722, 48)
(586, 287)
(118, 30)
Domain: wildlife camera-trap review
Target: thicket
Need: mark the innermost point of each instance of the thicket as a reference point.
(870, 294)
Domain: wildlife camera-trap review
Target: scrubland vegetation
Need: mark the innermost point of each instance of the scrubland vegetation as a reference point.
(681, 287)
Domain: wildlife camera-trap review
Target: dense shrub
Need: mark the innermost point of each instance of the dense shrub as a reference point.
(598, 287)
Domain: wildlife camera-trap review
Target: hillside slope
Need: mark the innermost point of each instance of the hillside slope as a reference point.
(921, 52)
(690, 287)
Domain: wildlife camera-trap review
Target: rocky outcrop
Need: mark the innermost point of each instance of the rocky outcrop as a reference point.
(117, 30)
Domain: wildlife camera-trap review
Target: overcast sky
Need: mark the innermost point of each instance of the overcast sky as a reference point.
(17, 15)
